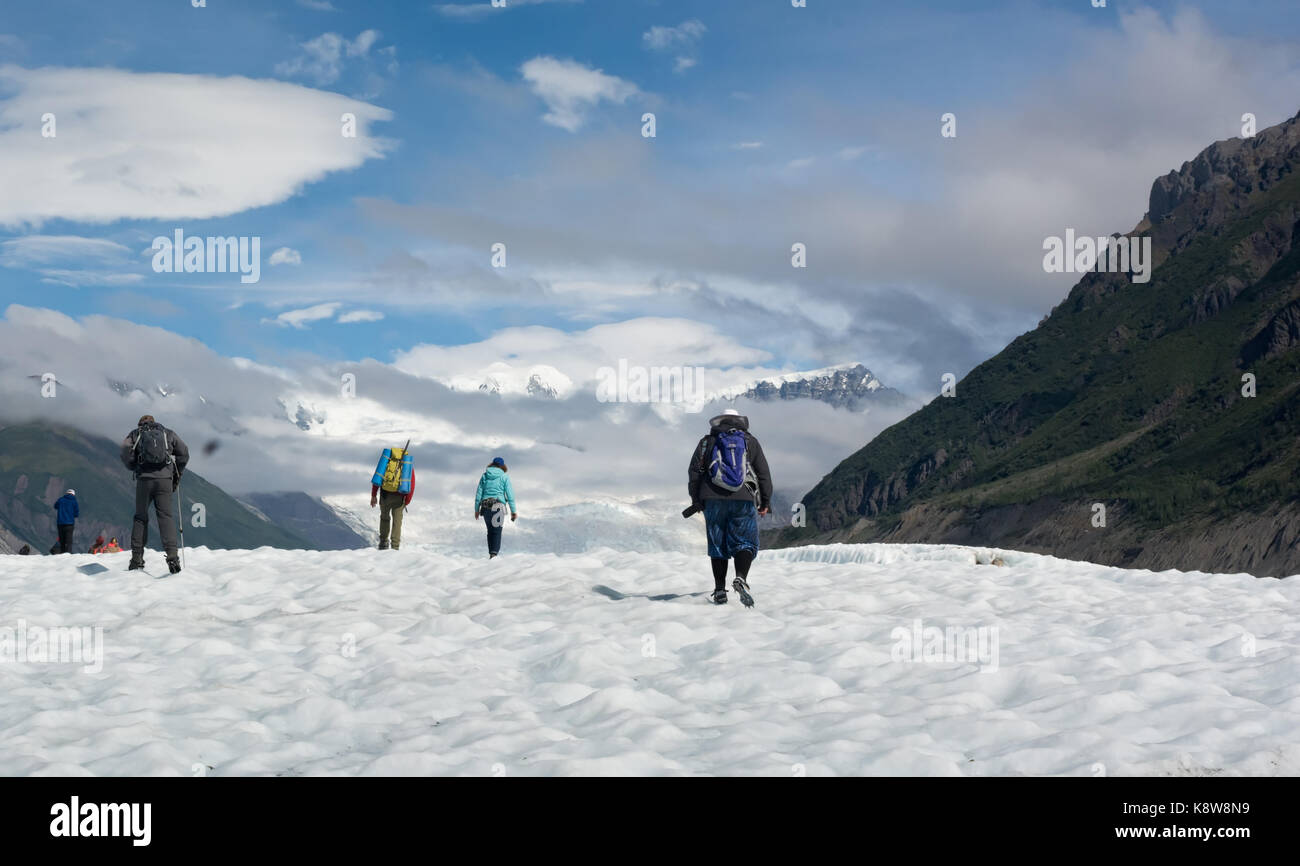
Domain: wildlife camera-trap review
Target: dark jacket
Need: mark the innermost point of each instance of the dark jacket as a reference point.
(702, 489)
(180, 456)
(68, 509)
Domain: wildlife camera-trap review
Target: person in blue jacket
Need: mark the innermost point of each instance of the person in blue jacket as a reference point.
(495, 494)
(66, 513)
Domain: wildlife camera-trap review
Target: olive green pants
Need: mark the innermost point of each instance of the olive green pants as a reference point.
(391, 508)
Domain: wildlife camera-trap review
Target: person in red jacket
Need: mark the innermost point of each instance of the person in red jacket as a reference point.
(391, 508)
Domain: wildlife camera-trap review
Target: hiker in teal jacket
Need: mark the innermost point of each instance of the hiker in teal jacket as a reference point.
(494, 495)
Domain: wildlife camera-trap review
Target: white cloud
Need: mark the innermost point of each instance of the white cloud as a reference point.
(69, 260)
(285, 256)
(849, 154)
(570, 89)
(318, 5)
(34, 250)
(683, 35)
(747, 145)
(360, 316)
(361, 46)
(471, 11)
(802, 162)
(37, 319)
(578, 355)
(75, 277)
(301, 318)
(166, 146)
(322, 59)
(682, 40)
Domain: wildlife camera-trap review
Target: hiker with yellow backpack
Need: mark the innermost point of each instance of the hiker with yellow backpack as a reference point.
(391, 489)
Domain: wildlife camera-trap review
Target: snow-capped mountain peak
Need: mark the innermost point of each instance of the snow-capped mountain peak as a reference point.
(849, 385)
(539, 380)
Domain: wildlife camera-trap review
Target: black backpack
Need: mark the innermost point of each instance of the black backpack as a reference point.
(152, 450)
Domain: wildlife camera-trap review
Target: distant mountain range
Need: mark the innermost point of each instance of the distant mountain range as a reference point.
(1173, 404)
(850, 386)
(38, 462)
(309, 517)
(220, 417)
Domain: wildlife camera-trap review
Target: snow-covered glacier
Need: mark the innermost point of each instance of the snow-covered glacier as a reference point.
(857, 660)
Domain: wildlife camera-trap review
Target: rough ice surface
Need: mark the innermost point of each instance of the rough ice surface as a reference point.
(644, 526)
(426, 662)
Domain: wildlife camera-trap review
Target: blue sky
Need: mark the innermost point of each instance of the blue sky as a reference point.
(775, 125)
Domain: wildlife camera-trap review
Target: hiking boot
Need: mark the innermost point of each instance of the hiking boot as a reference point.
(383, 545)
(741, 586)
(719, 596)
(137, 564)
(174, 566)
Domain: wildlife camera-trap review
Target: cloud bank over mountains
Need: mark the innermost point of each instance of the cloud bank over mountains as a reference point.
(317, 426)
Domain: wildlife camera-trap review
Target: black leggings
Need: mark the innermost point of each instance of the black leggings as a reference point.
(744, 559)
(65, 538)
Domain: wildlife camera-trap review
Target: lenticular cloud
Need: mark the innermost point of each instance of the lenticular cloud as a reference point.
(166, 146)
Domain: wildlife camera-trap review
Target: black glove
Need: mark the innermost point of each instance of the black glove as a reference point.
(693, 510)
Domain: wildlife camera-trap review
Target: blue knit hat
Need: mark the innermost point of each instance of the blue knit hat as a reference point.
(498, 461)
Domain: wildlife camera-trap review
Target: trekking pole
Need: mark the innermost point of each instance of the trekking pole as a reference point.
(180, 520)
(406, 449)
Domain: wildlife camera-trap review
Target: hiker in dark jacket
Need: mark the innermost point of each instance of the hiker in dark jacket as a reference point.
(158, 458)
(67, 511)
(730, 515)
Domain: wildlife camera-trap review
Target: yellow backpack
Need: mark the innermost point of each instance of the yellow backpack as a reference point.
(393, 472)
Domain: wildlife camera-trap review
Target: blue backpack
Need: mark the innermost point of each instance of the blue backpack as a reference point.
(729, 468)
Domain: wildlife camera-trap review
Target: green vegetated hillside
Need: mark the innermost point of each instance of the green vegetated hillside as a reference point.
(39, 461)
(1127, 394)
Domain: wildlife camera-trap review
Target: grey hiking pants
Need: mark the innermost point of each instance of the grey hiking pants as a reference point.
(157, 491)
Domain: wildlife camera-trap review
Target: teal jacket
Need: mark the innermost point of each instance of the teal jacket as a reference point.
(495, 484)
